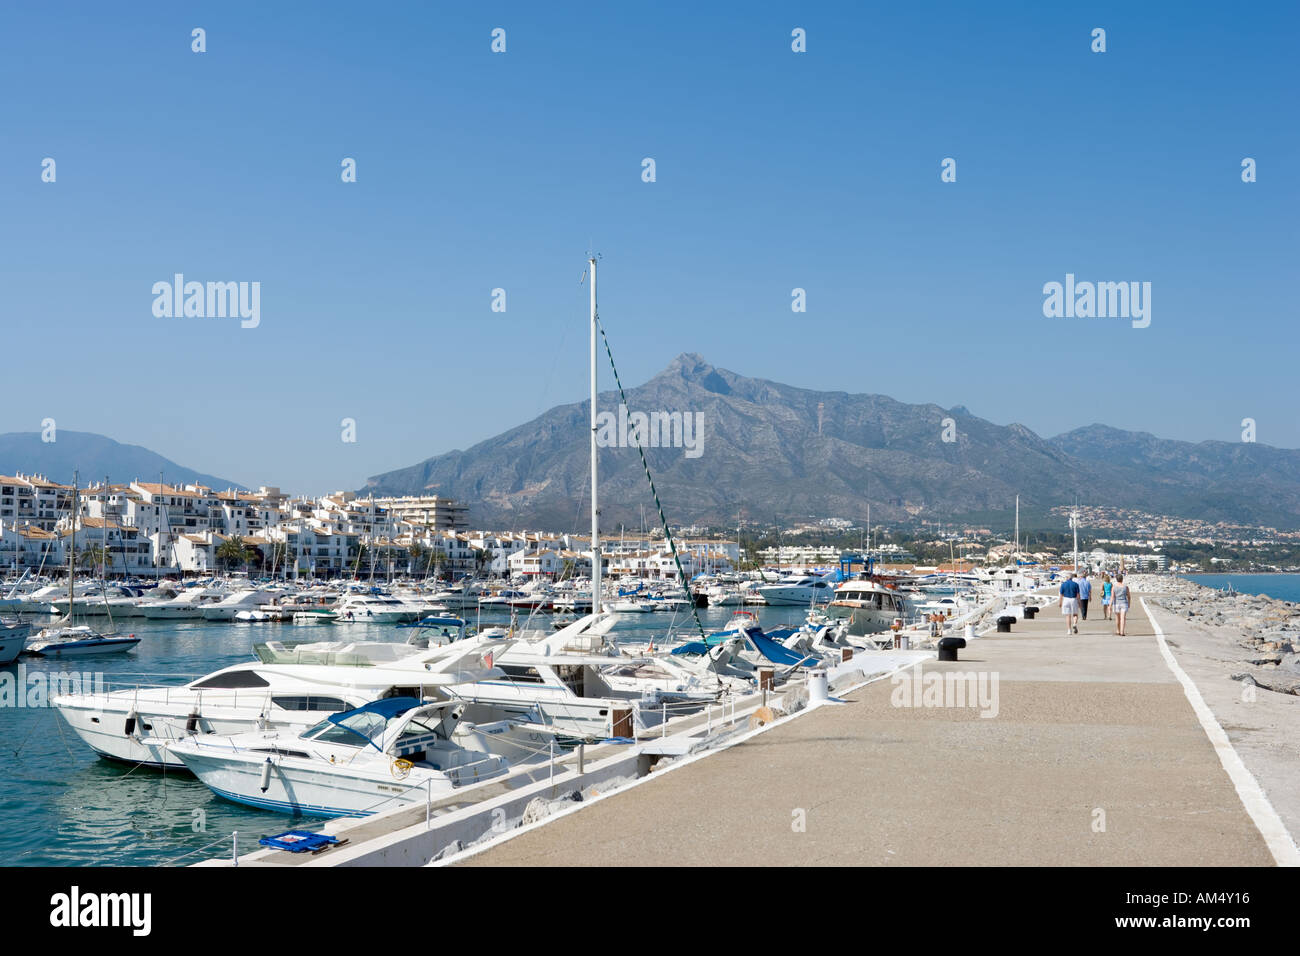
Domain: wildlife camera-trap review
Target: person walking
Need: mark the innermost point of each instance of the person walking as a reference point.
(1119, 604)
(1070, 604)
(1105, 595)
(1085, 594)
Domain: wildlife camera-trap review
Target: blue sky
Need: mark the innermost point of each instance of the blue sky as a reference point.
(775, 170)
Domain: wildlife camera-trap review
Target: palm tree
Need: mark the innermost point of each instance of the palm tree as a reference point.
(98, 557)
(232, 551)
(418, 552)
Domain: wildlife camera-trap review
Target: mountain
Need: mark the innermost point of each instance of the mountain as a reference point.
(1216, 480)
(94, 456)
(763, 450)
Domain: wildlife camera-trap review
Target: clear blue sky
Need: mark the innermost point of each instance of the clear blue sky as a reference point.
(775, 170)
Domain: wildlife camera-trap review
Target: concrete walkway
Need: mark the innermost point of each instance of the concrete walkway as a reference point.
(1094, 757)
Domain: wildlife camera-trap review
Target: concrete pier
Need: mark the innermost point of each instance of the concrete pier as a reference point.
(1091, 754)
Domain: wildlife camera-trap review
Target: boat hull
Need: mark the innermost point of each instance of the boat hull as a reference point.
(296, 786)
(87, 648)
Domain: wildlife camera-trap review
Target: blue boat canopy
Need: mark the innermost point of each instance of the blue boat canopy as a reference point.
(388, 708)
(778, 654)
(692, 647)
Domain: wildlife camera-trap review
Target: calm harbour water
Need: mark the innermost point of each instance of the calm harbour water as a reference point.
(1284, 587)
(61, 805)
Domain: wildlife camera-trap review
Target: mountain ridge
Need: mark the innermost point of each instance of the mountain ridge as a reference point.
(95, 456)
(784, 452)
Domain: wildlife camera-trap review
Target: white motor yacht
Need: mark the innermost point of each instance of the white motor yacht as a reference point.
(376, 609)
(249, 599)
(868, 606)
(135, 724)
(384, 754)
(13, 639)
(186, 606)
(798, 590)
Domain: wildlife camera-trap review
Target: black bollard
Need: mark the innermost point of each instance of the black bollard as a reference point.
(948, 647)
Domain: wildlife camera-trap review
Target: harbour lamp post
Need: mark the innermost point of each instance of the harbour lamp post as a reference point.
(1074, 524)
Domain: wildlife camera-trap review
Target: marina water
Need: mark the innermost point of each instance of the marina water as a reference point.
(60, 804)
(1283, 587)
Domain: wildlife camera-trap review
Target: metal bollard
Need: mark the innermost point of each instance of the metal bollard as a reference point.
(552, 778)
(582, 757)
(235, 846)
(663, 724)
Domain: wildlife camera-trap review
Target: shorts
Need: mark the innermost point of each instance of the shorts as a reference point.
(1070, 606)
(1121, 606)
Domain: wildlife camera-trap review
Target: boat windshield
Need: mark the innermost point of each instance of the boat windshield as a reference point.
(365, 723)
(356, 729)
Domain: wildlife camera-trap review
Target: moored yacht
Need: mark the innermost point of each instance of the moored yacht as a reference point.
(135, 724)
(868, 606)
(376, 609)
(799, 590)
(383, 754)
(229, 606)
(186, 606)
(13, 638)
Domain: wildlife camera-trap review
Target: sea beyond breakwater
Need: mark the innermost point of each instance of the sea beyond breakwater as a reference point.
(1282, 587)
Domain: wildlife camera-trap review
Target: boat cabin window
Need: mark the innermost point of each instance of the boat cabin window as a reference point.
(332, 704)
(573, 677)
(522, 674)
(232, 680)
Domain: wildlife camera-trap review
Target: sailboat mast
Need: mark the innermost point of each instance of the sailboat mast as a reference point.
(595, 510)
(72, 554)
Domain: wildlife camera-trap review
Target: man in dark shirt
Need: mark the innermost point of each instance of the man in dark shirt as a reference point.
(1070, 603)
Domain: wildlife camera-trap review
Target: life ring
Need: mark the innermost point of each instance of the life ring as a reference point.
(401, 769)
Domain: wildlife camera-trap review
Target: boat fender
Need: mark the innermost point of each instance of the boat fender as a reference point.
(131, 720)
(266, 775)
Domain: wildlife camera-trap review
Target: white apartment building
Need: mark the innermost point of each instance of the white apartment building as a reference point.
(24, 546)
(33, 499)
(431, 511)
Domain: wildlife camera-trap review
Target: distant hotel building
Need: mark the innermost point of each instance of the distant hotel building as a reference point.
(433, 512)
